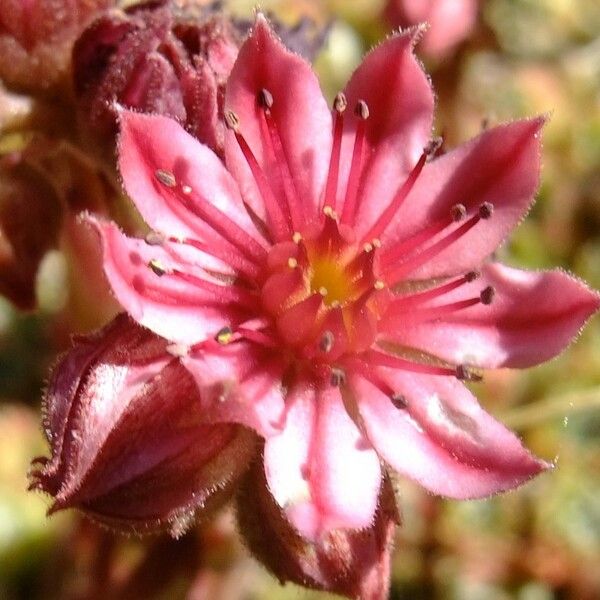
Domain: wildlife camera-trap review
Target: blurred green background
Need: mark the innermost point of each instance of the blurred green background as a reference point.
(524, 57)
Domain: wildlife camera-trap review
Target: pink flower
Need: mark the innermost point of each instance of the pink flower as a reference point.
(332, 286)
(450, 21)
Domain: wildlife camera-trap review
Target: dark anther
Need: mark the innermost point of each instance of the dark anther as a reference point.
(340, 103)
(165, 177)
(153, 238)
(465, 374)
(232, 121)
(433, 146)
(327, 340)
(458, 212)
(472, 276)
(338, 377)
(362, 110)
(156, 267)
(486, 210)
(224, 335)
(487, 295)
(399, 401)
(265, 98)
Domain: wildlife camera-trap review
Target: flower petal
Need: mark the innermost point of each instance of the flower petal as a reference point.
(240, 383)
(299, 111)
(501, 166)
(399, 123)
(443, 439)
(176, 308)
(165, 172)
(320, 469)
(533, 316)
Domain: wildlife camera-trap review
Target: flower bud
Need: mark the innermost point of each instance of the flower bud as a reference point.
(129, 445)
(353, 563)
(36, 39)
(160, 57)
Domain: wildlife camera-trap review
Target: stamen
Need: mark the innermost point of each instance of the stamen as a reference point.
(339, 106)
(487, 295)
(349, 210)
(399, 401)
(265, 99)
(154, 238)
(338, 377)
(458, 212)
(486, 210)
(292, 263)
(224, 336)
(294, 207)
(401, 314)
(401, 249)
(277, 221)
(433, 146)
(326, 342)
(157, 267)
(395, 274)
(395, 362)
(244, 267)
(465, 374)
(297, 237)
(388, 214)
(419, 297)
(165, 177)
(232, 121)
(223, 293)
(221, 224)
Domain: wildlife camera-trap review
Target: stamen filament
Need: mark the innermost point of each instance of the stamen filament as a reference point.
(339, 106)
(399, 313)
(294, 207)
(350, 201)
(388, 214)
(396, 274)
(386, 360)
(417, 298)
(280, 226)
(244, 267)
(401, 249)
(224, 293)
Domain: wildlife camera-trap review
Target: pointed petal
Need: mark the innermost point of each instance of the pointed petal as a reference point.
(299, 111)
(533, 317)
(174, 308)
(184, 202)
(443, 439)
(240, 383)
(501, 166)
(320, 469)
(399, 123)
